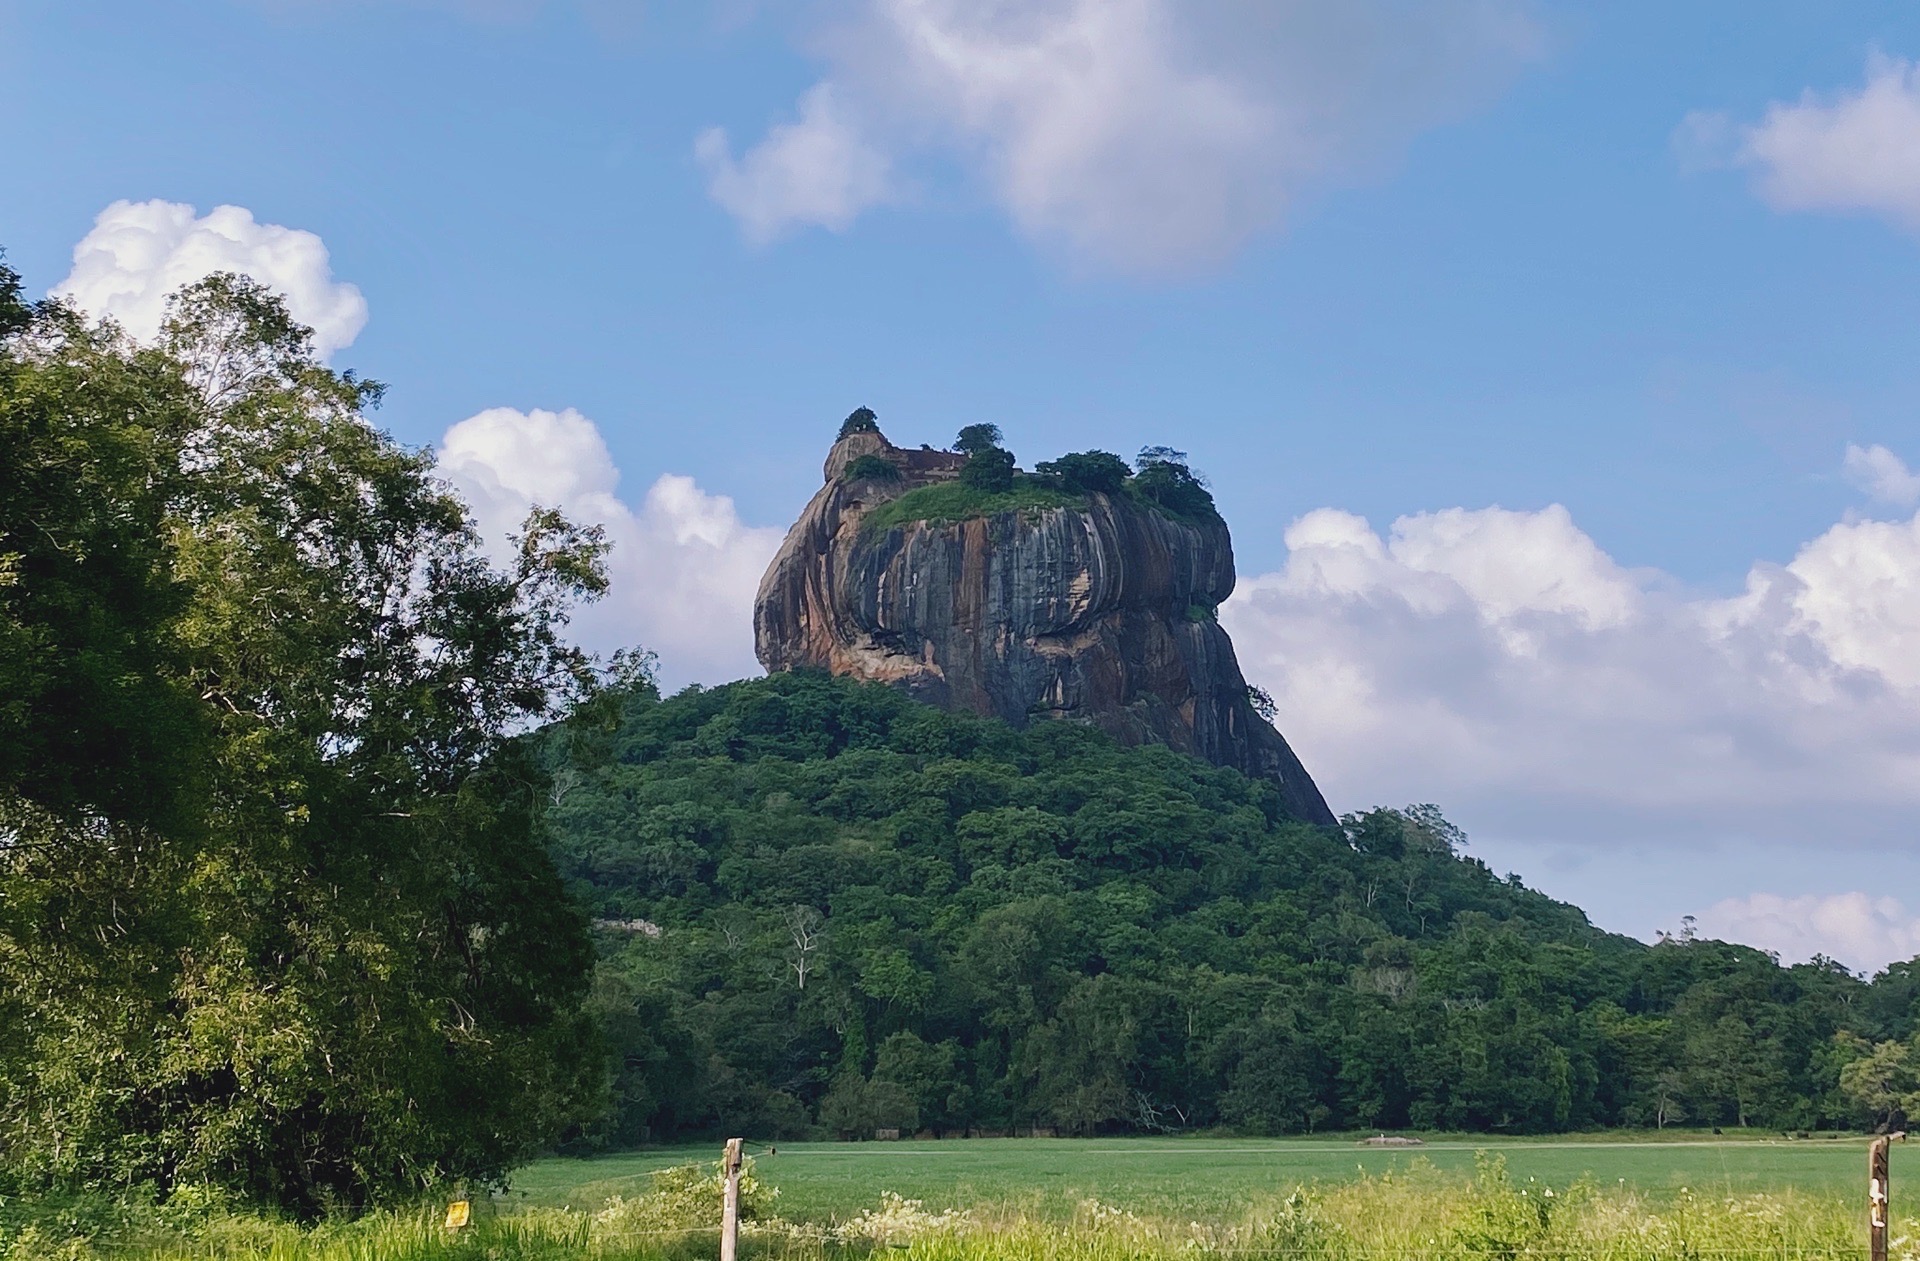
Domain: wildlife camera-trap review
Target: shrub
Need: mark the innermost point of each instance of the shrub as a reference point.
(1500, 1219)
(874, 467)
(684, 1197)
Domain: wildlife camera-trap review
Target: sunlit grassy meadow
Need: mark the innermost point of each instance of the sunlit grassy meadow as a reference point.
(1059, 1200)
(1210, 1178)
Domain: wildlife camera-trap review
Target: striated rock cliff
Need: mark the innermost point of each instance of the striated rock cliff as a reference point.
(1101, 613)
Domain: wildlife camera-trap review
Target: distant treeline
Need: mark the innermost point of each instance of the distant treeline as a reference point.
(825, 908)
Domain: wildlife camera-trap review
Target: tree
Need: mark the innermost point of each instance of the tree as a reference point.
(975, 439)
(1429, 832)
(1088, 472)
(856, 1107)
(1276, 1076)
(1885, 1083)
(1162, 475)
(931, 1073)
(342, 967)
(990, 470)
(1668, 1085)
(805, 928)
(860, 420)
(1085, 1063)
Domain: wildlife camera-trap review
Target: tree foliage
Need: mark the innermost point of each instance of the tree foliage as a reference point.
(989, 468)
(1042, 927)
(1163, 478)
(990, 471)
(274, 915)
(90, 451)
(989, 482)
(1088, 472)
(860, 420)
(1883, 1080)
(874, 467)
(974, 439)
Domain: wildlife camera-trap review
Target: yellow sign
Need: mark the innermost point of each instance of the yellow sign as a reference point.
(459, 1213)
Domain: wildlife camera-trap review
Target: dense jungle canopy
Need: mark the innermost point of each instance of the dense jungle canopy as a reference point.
(821, 903)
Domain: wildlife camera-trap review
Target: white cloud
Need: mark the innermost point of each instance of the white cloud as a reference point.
(817, 171)
(1852, 151)
(1882, 475)
(1858, 597)
(139, 253)
(1502, 664)
(684, 568)
(1859, 929)
(1152, 135)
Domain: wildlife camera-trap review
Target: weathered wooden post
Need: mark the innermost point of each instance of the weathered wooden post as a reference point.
(1877, 1198)
(730, 1202)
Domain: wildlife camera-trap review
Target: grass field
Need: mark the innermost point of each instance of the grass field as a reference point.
(1611, 1198)
(1211, 1179)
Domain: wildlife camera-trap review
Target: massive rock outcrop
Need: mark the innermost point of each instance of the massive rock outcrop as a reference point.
(1101, 614)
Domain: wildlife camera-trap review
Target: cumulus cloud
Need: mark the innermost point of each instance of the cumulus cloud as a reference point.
(1152, 135)
(1858, 929)
(140, 253)
(817, 171)
(1882, 475)
(1849, 151)
(1500, 662)
(684, 567)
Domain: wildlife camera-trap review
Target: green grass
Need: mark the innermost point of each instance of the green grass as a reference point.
(1061, 1200)
(1207, 1178)
(946, 502)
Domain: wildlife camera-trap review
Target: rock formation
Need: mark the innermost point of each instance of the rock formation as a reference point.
(1101, 614)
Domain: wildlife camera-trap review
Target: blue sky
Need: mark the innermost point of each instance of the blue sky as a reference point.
(1367, 261)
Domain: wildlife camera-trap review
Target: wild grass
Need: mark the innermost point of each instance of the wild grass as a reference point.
(947, 502)
(1418, 1211)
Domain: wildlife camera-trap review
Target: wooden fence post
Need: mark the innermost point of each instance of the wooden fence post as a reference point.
(730, 1202)
(1877, 1195)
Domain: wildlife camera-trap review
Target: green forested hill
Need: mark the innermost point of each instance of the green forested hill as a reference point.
(821, 904)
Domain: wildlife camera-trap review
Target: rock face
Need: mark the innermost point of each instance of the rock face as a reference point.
(1101, 615)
